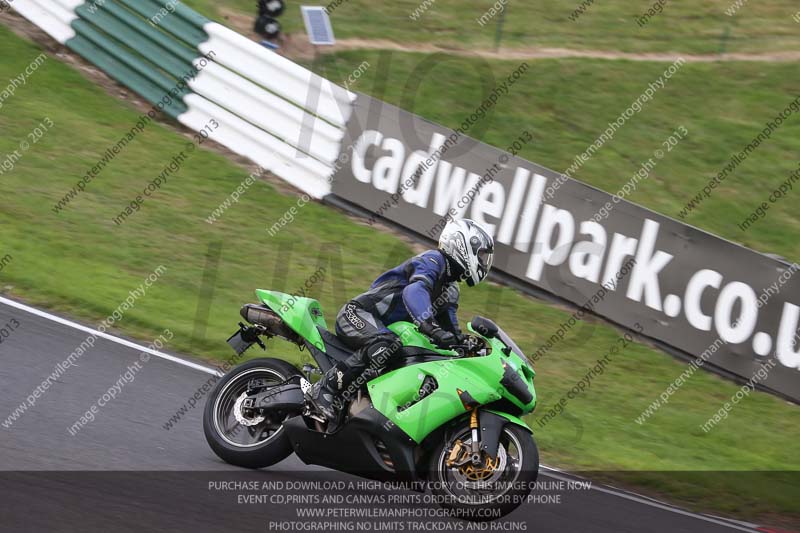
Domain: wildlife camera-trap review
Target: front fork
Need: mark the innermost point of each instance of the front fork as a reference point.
(459, 454)
(474, 427)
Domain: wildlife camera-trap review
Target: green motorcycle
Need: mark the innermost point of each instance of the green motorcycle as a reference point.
(448, 420)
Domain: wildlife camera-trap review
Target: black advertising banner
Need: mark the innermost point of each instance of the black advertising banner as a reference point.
(734, 308)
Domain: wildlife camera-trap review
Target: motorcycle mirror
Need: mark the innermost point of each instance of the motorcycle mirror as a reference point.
(485, 327)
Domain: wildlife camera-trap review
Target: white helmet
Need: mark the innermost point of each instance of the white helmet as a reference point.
(468, 246)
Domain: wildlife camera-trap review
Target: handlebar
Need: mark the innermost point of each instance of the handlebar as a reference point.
(470, 347)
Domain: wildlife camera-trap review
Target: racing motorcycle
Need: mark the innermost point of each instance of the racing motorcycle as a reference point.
(443, 419)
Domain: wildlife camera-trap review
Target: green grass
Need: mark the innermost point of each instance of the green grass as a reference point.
(80, 263)
(567, 104)
(698, 27)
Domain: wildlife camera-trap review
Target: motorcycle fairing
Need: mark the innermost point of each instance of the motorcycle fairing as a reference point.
(303, 315)
(367, 446)
(396, 394)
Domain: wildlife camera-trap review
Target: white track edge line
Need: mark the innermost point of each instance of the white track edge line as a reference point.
(650, 502)
(112, 338)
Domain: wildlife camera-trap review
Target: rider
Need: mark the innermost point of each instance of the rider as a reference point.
(422, 290)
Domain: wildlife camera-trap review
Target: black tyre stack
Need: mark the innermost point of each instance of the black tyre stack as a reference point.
(267, 24)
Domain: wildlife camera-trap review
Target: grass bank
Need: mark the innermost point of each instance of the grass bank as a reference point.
(702, 27)
(79, 262)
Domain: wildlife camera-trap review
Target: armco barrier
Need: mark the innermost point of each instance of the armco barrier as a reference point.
(715, 300)
(270, 110)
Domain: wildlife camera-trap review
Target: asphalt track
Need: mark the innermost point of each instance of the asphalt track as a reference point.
(125, 472)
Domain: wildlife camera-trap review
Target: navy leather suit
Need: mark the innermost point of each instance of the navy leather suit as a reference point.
(421, 290)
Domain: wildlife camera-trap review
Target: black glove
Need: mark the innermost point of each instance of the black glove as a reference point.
(438, 336)
(442, 338)
(460, 337)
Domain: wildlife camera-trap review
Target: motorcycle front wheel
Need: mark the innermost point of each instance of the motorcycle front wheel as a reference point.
(488, 491)
(239, 438)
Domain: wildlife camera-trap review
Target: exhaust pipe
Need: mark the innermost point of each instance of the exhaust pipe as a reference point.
(265, 317)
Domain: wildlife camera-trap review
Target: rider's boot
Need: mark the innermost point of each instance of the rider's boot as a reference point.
(322, 397)
(329, 395)
(338, 386)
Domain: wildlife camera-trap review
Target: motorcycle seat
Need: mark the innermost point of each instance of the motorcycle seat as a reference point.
(337, 350)
(334, 346)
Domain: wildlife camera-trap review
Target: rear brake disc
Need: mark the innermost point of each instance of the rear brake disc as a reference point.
(237, 412)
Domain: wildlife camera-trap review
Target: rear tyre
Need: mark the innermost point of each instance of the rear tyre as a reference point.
(493, 489)
(254, 441)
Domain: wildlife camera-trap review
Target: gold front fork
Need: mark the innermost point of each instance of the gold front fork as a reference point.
(476, 439)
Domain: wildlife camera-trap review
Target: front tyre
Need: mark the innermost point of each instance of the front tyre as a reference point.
(494, 488)
(253, 441)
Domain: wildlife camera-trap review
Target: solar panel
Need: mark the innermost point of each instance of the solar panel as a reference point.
(318, 25)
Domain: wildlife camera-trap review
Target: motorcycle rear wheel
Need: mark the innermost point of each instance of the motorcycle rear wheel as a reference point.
(254, 442)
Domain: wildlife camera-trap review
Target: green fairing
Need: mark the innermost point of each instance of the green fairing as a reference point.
(511, 418)
(303, 315)
(396, 393)
(480, 376)
(411, 336)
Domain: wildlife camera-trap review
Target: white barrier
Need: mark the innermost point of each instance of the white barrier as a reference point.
(272, 114)
(48, 15)
(279, 75)
(270, 110)
(299, 170)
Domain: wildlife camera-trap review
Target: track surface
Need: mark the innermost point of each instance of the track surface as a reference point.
(157, 480)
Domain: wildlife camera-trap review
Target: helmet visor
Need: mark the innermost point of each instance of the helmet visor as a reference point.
(485, 257)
